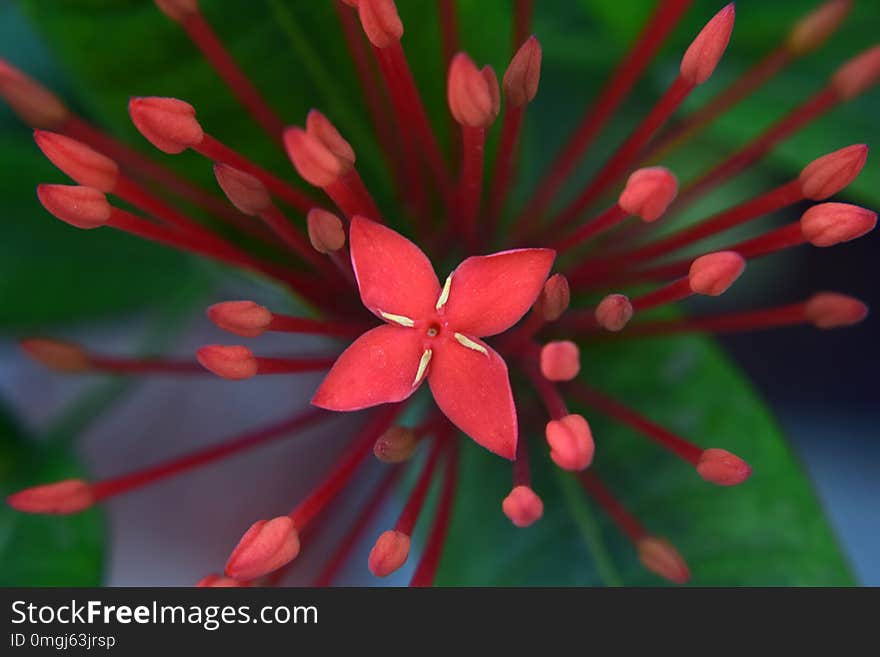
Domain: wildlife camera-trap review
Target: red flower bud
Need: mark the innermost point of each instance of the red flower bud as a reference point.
(858, 74)
(265, 547)
(62, 497)
(473, 95)
(723, 468)
(816, 27)
(380, 21)
(713, 273)
(326, 232)
(396, 445)
(244, 318)
(218, 581)
(614, 312)
(390, 551)
(35, 105)
(57, 355)
(560, 360)
(829, 174)
(571, 442)
(523, 506)
(706, 50)
(178, 10)
(244, 191)
(233, 362)
(83, 207)
(86, 166)
(827, 310)
(660, 557)
(828, 224)
(555, 297)
(648, 193)
(523, 74)
(167, 123)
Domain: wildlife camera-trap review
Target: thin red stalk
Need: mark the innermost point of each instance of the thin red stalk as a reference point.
(470, 189)
(661, 23)
(365, 518)
(692, 124)
(753, 320)
(448, 30)
(398, 77)
(344, 468)
(198, 458)
(293, 365)
(212, 48)
(760, 146)
(88, 134)
(767, 203)
(614, 409)
(522, 22)
(522, 475)
(547, 390)
(352, 197)
(291, 324)
(605, 221)
(409, 516)
(129, 223)
(427, 568)
(670, 293)
(368, 77)
(627, 523)
(771, 242)
(621, 161)
(216, 151)
(113, 365)
(511, 126)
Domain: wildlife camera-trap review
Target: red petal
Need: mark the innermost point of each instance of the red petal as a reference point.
(393, 274)
(378, 368)
(473, 390)
(489, 294)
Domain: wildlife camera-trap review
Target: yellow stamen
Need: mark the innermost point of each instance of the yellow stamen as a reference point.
(470, 344)
(444, 295)
(398, 319)
(423, 365)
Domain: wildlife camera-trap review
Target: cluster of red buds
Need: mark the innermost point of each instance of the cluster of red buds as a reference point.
(369, 287)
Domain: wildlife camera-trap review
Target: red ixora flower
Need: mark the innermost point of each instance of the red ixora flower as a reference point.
(298, 238)
(433, 333)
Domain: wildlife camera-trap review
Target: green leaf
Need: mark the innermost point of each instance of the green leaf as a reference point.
(44, 550)
(768, 531)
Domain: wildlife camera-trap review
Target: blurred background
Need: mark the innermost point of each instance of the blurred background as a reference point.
(123, 296)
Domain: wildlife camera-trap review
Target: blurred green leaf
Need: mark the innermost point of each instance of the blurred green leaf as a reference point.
(44, 550)
(768, 531)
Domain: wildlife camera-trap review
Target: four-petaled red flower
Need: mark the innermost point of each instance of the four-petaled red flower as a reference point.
(434, 333)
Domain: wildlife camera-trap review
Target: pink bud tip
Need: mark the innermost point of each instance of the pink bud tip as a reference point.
(523, 506)
(380, 21)
(858, 74)
(85, 165)
(233, 362)
(706, 50)
(524, 73)
(661, 558)
(35, 105)
(320, 154)
(555, 297)
(62, 497)
(178, 10)
(244, 191)
(473, 95)
(390, 551)
(722, 468)
(815, 28)
(648, 193)
(828, 224)
(57, 355)
(219, 582)
(167, 123)
(831, 173)
(82, 207)
(560, 360)
(713, 273)
(266, 546)
(396, 445)
(614, 312)
(571, 442)
(827, 310)
(244, 318)
(326, 232)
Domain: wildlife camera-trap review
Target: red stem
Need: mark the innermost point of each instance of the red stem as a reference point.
(473, 142)
(662, 21)
(426, 571)
(621, 161)
(614, 409)
(511, 126)
(295, 240)
(752, 320)
(522, 475)
(760, 146)
(365, 518)
(406, 523)
(293, 365)
(291, 324)
(113, 365)
(243, 442)
(522, 22)
(344, 468)
(627, 523)
(674, 291)
(604, 222)
(212, 48)
(692, 124)
(351, 196)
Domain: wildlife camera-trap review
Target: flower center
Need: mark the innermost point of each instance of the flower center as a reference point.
(433, 330)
